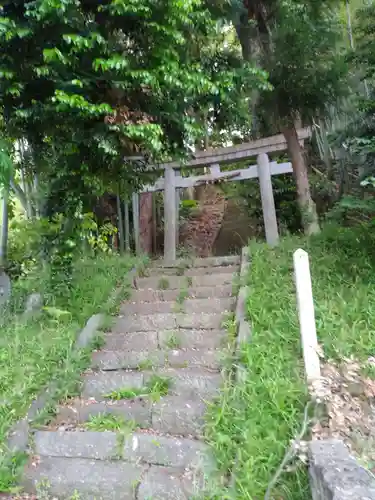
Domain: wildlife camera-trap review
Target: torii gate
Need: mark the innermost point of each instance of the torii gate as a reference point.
(264, 169)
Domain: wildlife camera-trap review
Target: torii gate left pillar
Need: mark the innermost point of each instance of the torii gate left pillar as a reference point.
(170, 215)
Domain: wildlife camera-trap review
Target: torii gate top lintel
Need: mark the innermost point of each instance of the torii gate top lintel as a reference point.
(231, 154)
(264, 169)
(240, 152)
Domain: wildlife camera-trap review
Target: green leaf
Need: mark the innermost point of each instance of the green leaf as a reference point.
(54, 55)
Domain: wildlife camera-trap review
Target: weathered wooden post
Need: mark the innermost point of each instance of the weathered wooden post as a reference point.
(306, 314)
(268, 202)
(145, 223)
(120, 224)
(169, 215)
(135, 202)
(126, 226)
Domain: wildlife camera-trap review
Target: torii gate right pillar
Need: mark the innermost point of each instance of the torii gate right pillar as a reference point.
(268, 202)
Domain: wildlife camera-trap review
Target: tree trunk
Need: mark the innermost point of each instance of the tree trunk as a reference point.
(247, 34)
(18, 191)
(349, 25)
(120, 225)
(190, 194)
(307, 206)
(145, 223)
(126, 226)
(4, 228)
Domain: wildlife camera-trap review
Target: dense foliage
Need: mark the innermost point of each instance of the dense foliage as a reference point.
(350, 139)
(96, 92)
(100, 81)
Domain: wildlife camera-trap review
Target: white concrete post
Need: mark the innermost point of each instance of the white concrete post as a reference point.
(135, 202)
(306, 314)
(169, 215)
(268, 202)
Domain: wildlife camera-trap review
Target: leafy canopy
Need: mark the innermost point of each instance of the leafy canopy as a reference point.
(298, 43)
(96, 80)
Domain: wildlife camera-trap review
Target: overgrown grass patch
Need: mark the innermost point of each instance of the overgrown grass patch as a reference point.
(114, 423)
(255, 421)
(37, 352)
(155, 388)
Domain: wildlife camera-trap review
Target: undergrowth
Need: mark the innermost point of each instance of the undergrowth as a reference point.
(36, 352)
(253, 423)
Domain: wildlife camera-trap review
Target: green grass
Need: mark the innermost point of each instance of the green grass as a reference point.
(173, 342)
(34, 353)
(115, 423)
(368, 371)
(146, 364)
(155, 388)
(182, 296)
(258, 418)
(163, 284)
(180, 269)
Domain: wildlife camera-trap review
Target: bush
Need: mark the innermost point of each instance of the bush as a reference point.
(35, 240)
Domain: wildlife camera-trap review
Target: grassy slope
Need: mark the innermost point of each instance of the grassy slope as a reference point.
(33, 354)
(259, 418)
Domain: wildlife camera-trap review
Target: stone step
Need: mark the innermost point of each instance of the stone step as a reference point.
(183, 282)
(64, 478)
(78, 411)
(136, 447)
(174, 357)
(190, 271)
(176, 415)
(183, 304)
(149, 295)
(187, 381)
(168, 321)
(194, 338)
(229, 260)
(180, 415)
(165, 484)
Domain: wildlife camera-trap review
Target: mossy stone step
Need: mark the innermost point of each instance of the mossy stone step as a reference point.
(190, 271)
(149, 295)
(175, 358)
(194, 338)
(177, 415)
(62, 478)
(199, 383)
(168, 321)
(136, 447)
(229, 260)
(178, 282)
(182, 304)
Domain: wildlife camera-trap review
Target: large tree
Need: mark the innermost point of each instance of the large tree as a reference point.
(297, 42)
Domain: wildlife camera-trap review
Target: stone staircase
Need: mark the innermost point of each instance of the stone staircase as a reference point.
(136, 432)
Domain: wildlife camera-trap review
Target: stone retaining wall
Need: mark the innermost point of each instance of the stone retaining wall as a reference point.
(336, 475)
